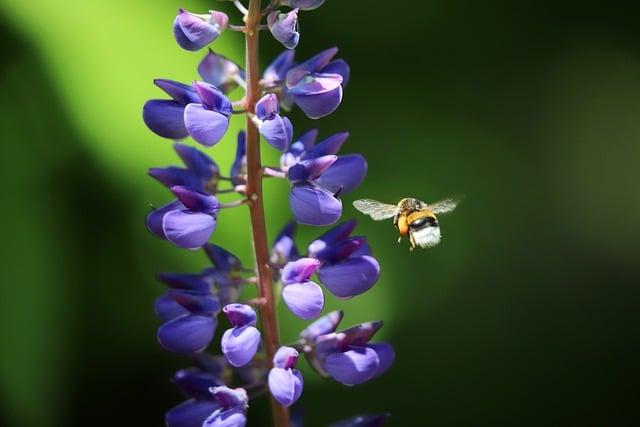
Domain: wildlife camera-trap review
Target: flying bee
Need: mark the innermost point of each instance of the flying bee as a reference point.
(410, 216)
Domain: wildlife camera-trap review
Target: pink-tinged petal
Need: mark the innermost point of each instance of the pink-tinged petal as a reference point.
(230, 397)
(351, 277)
(354, 366)
(386, 355)
(239, 345)
(285, 357)
(305, 300)
(316, 84)
(240, 314)
(320, 105)
(299, 270)
(188, 229)
(165, 118)
(284, 27)
(312, 205)
(267, 107)
(345, 175)
(212, 98)
(205, 126)
(187, 334)
(285, 385)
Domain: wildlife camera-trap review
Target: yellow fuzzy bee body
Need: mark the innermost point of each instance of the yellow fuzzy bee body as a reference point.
(411, 217)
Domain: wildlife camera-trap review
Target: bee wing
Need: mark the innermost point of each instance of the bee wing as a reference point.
(444, 206)
(376, 210)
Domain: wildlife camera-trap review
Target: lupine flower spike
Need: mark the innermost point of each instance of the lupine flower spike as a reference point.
(249, 359)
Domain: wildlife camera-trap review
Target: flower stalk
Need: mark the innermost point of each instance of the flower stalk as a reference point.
(256, 206)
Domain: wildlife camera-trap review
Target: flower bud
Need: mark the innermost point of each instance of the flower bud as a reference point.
(284, 27)
(303, 4)
(193, 32)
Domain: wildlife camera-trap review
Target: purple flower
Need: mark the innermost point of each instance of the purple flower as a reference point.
(197, 382)
(303, 4)
(193, 32)
(285, 382)
(191, 413)
(189, 333)
(226, 273)
(284, 247)
(284, 27)
(240, 343)
(366, 420)
(277, 130)
(349, 358)
(201, 172)
(207, 120)
(275, 74)
(347, 267)
(316, 84)
(322, 326)
(187, 223)
(166, 117)
(221, 72)
(303, 297)
(232, 406)
(313, 205)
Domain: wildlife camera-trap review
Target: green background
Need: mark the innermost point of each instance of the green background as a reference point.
(526, 314)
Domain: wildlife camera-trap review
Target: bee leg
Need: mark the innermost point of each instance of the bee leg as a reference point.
(412, 241)
(400, 238)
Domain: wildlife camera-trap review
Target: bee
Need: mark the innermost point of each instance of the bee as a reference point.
(410, 216)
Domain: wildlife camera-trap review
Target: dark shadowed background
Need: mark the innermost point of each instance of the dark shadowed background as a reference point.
(526, 314)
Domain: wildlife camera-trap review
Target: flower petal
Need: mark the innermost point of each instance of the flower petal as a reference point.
(239, 345)
(345, 174)
(305, 300)
(299, 270)
(230, 397)
(223, 259)
(165, 118)
(338, 66)
(198, 162)
(340, 251)
(284, 247)
(267, 107)
(234, 417)
(196, 382)
(386, 355)
(196, 200)
(354, 366)
(285, 357)
(324, 325)
(190, 413)
(167, 309)
(188, 229)
(304, 4)
(351, 277)
(239, 166)
(205, 126)
(191, 282)
(278, 69)
(182, 93)
(155, 217)
(313, 64)
(308, 170)
(240, 314)
(285, 385)
(330, 145)
(360, 334)
(212, 98)
(284, 27)
(194, 301)
(187, 334)
(173, 175)
(193, 33)
(331, 237)
(320, 105)
(220, 71)
(278, 132)
(312, 205)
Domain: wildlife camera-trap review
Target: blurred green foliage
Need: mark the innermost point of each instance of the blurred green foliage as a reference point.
(525, 314)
